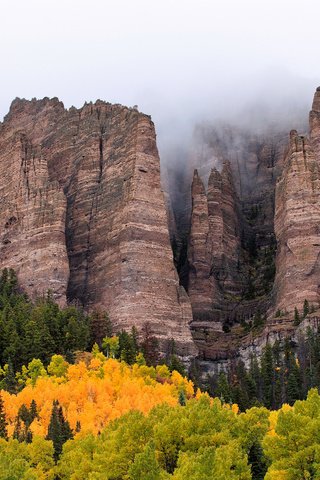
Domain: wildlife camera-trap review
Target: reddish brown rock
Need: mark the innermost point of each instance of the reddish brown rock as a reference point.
(112, 215)
(32, 218)
(297, 220)
(214, 247)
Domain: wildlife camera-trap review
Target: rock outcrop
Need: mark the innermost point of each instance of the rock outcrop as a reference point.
(297, 220)
(214, 247)
(85, 214)
(32, 216)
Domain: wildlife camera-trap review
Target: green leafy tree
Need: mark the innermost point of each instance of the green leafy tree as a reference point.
(110, 346)
(145, 465)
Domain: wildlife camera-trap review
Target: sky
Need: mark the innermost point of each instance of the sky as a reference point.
(180, 61)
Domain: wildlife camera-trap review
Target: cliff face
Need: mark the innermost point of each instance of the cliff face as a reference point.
(279, 205)
(32, 216)
(84, 195)
(214, 247)
(297, 220)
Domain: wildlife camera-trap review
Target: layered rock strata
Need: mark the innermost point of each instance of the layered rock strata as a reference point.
(214, 246)
(32, 216)
(297, 221)
(91, 193)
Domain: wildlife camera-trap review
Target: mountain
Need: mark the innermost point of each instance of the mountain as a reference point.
(221, 263)
(83, 214)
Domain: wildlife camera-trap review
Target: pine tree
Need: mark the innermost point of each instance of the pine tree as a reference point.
(25, 415)
(3, 421)
(33, 410)
(257, 461)
(100, 327)
(182, 398)
(296, 320)
(150, 346)
(306, 308)
(59, 430)
(176, 364)
(9, 381)
(267, 375)
(223, 390)
(17, 432)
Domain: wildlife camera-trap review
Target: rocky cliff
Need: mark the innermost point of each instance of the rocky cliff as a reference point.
(214, 246)
(276, 213)
(83, 214)
(297, 220)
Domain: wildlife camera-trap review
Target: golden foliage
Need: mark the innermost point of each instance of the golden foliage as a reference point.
(97, 393)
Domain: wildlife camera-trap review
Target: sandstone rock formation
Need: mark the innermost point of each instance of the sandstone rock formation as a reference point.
(83, 209)
(32, 215)
(214, 247)
(297, 220)
(282, 215)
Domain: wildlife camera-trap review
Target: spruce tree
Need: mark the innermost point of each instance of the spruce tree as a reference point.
(296, 320)
(3, 421)
(33, 410)
(17, 432)
(182, 398)
(59, 430)
(223, 390)
(267, 375)
(306, 308)
(9, 381)
(257, 461)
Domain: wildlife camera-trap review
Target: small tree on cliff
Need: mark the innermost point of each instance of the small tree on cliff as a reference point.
(296, 320)
(306, 308)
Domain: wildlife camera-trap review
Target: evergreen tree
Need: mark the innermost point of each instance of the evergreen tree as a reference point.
(257, 461)
(25, 415)
(267, 375)
(127, 347)
(59, 430)
(9, 381)
(33, 410)
(223, 390)
(258, 320)
(176, 364)
(149, 346)
(3, 421)
(182, 398)
(296, 320)
(100, 327)
(17, 432)
(306, 308)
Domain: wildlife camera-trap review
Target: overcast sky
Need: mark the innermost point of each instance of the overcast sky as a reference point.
(179, 60)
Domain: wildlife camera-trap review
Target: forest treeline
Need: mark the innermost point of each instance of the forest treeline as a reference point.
(108, 420)
(284, 373)
(38, 330)
(80, 401)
